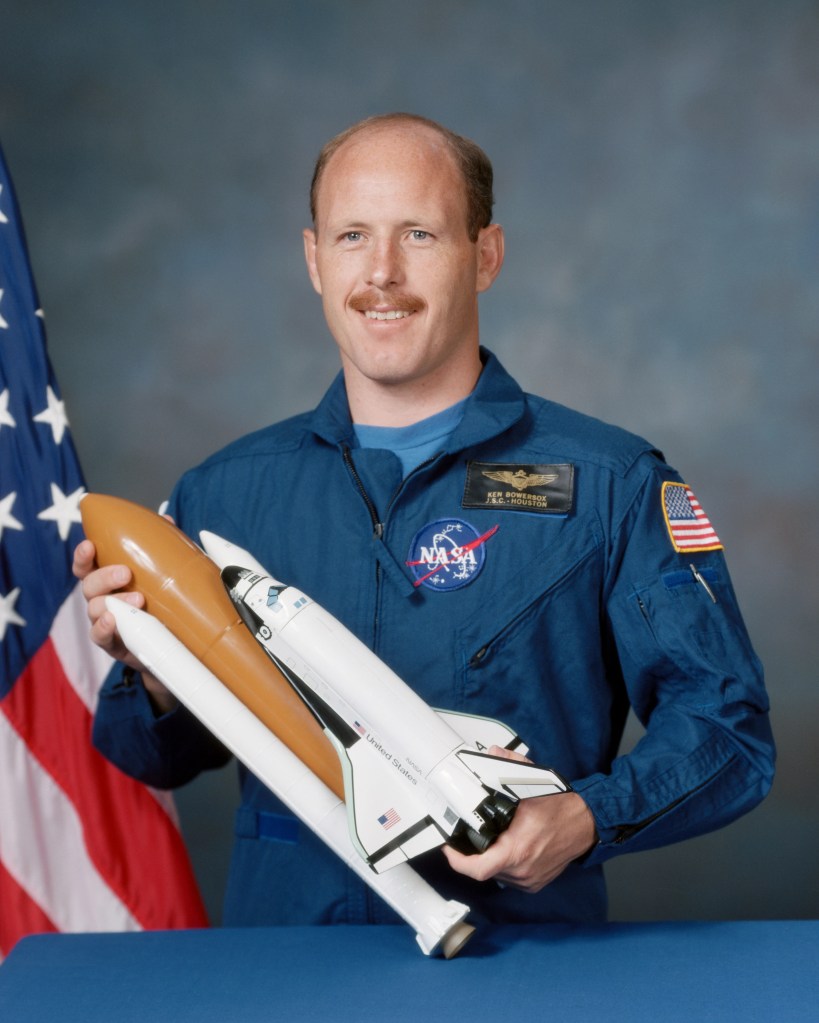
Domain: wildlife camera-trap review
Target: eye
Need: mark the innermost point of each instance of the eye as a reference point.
(420, 236)
(352, 236)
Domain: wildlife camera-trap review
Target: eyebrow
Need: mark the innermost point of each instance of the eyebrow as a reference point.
(363, 225)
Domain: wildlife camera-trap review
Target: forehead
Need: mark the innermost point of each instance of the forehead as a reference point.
(390, 167)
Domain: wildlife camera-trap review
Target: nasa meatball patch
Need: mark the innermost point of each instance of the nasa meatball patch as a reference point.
(541, 489)
(448, 554)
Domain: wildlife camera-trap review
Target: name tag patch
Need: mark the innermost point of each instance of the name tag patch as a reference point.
(543, 489)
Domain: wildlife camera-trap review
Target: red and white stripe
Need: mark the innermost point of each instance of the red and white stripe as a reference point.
(82, 846)
(697, 533)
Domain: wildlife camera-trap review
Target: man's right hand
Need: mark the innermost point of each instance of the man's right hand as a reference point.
(97, 584)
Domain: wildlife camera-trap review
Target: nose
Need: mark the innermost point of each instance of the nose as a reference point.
(386, 264)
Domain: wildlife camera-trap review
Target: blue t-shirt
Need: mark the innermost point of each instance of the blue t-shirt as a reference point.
(415, 443)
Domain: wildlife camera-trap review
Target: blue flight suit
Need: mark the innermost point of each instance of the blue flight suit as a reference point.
(578, 605)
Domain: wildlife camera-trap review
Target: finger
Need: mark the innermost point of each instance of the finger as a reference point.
(84, 559)
(104, 633)
(97, 606)
(480, 867)
(105, 580)
(508, 754)
(486, 867)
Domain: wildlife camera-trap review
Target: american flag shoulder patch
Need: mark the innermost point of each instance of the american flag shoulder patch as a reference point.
(688, 526)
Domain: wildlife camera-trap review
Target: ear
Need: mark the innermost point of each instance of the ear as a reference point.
(309, 236)
(490, 256)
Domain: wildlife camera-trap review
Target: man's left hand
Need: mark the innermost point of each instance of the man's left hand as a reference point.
(545, 836)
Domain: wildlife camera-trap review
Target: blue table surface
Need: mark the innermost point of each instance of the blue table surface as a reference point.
(759, 970)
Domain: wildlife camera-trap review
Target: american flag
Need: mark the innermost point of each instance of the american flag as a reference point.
(688, 525)
(388, 819)
(82, 847)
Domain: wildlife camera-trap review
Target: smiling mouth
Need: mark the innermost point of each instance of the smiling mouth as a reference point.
(379, 307)
(391, 314)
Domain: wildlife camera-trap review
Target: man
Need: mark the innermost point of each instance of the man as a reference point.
(504, 555)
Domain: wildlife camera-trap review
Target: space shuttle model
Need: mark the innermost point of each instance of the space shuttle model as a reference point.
(354, 752)
(414, 777)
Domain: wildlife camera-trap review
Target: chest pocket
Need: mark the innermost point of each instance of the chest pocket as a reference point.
(536, 618)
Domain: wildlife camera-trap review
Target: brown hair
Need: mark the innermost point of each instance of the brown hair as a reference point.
(471, 160)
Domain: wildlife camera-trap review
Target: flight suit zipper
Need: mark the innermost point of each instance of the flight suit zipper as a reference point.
(378, 533)
(378, 526)
(393, 568)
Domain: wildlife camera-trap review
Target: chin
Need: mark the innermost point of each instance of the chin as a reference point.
(388, 368)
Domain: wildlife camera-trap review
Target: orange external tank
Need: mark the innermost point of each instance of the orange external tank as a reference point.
(184, 590)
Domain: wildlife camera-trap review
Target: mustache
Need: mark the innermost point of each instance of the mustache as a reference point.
(369, 299)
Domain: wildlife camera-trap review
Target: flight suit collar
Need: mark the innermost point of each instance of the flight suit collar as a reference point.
(496, 404)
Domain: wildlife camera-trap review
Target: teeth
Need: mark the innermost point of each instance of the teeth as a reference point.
(393, 314)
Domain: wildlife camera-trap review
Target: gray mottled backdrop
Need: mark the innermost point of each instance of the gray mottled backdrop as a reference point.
(658, 177)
